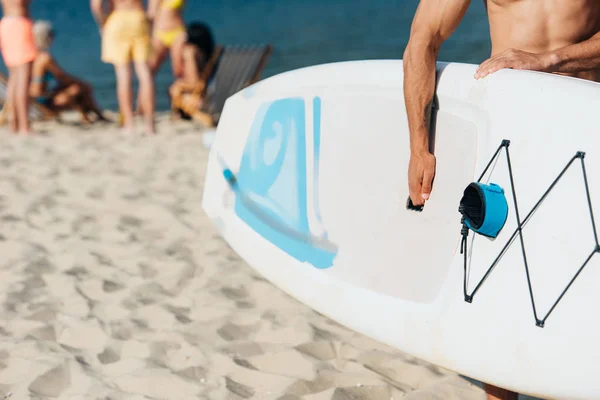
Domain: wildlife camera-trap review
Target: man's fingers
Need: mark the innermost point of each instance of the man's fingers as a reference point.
(414, 187)
(417, 203)
(489, 69)
(416, 198)
(481, 70)
(492, 65)
(485, 65)
(427, 182)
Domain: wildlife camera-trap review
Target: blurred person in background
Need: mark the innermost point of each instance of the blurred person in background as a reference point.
(18, 51)
(126, 39)
(51, 86)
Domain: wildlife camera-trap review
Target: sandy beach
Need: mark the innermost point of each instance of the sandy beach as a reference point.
(116, 286)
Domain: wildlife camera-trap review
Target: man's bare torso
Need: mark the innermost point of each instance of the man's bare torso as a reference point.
(538, 26)
(127, 4)
(15, 8)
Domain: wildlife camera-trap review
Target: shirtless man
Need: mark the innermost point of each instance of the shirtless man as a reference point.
(540, 35)
(126, 38)
(18, 51)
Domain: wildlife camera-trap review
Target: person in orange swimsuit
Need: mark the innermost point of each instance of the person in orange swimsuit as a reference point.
(18, 49)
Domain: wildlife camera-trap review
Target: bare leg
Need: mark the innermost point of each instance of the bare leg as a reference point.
(146, 93)
(83, 111)
(4, 113)
(89, 102)
(177, 55)
(69, 97)
(23, 78)
(159, 55)
(191, 103)
(124, 95)
(496, 393)
(175, 96)
(10, 100)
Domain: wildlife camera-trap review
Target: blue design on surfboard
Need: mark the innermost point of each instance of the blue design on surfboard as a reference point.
(272, 181)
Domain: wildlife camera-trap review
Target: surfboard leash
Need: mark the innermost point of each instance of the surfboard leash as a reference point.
(482, 211)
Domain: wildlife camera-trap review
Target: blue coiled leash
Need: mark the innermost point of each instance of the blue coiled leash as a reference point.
(484, 209)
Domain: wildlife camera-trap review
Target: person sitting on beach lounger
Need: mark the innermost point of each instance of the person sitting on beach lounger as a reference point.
(18, 51)
(51, 86)
(126, 39)
(195, 82)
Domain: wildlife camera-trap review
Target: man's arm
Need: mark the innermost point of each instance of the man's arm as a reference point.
(578, 57)
(583, 56)
(434, 22)
(98, 11)
(153, 8)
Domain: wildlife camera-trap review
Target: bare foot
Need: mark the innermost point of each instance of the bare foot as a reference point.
(150, 129)
(127, 130)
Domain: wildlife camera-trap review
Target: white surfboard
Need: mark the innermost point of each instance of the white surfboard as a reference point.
(320, 158)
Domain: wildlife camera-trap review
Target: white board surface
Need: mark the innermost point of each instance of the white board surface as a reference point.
(321, 157)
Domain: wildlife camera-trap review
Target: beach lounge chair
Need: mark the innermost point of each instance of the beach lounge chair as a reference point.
(232, 69)
(37, 112)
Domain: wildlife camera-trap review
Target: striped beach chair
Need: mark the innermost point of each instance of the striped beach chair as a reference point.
(232, 69)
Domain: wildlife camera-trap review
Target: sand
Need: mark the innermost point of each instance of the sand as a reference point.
(115, 285)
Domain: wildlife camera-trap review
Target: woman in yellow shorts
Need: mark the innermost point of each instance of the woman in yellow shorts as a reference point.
(168, 34)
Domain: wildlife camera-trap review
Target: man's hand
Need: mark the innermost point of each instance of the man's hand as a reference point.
(421, 170)
(514, 59)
